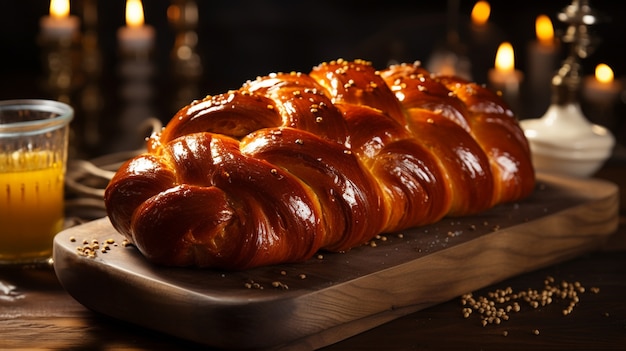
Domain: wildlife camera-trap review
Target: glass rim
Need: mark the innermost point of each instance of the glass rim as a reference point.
(65, 113)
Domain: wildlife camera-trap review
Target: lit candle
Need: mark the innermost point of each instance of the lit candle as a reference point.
(504, 77)
(542, 65)
(136, 36)
(485, 36)
(480, 26)
(59, 25)
(602, 89)
(480, 15)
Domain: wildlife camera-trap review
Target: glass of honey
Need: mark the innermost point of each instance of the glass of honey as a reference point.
(33, 155)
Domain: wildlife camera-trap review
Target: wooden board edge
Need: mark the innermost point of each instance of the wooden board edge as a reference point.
(590, 234)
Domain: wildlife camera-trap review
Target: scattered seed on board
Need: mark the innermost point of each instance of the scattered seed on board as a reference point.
(91, 247)
(495, 308)
(253, 285)
(280, 285)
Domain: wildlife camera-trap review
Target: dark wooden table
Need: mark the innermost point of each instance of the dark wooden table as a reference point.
(37, 313)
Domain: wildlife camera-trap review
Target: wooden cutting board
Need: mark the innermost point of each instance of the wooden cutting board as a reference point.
(334, 296)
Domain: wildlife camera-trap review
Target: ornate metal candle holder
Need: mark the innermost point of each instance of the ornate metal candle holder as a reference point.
(563, 141)
(578, 16)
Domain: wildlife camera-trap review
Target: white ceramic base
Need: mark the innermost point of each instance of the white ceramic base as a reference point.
(564, 142)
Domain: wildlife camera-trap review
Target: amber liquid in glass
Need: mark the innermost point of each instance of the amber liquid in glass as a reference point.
(31, 206)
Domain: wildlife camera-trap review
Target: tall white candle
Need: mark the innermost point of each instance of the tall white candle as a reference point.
(480, 21)
(59, 25)
(484, 38)
(602, 89)
(135, 36)
(504, 77)
(542, 65)
(601, 92)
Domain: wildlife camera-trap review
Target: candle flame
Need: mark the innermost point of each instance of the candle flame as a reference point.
(604, 73)
(505, 58)
(544, 30)
(481, 12)
(134, 13)
(59, 8)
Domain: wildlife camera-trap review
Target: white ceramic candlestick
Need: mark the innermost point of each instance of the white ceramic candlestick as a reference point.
(564, 142)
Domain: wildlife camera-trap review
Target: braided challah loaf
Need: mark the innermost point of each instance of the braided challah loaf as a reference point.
(294, 163)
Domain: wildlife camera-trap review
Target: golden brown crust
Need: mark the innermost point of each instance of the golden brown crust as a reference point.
(294, 163)
(479, 111)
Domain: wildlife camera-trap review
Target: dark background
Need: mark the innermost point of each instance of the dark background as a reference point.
(242, 39)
